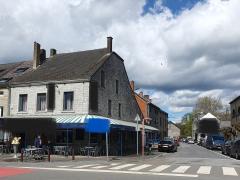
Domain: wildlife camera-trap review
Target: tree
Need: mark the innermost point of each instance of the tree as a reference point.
(186, 125)
(208, 104)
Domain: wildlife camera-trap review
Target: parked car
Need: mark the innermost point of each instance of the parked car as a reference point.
(226, 147)
(190, 141)
(214, 142)
(235, 149)
(167, 145)
(154, 143)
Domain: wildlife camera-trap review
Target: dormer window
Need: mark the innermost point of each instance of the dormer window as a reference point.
(3, 80)
(21, 70)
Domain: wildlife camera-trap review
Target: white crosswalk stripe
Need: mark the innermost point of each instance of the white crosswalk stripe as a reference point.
(137, 168)
(181, 169)
(85, 166)
(204, 170)
(229, 171)
(99, 167)
(160, 168)
(122, 166)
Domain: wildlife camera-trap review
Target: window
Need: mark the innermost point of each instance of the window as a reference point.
(22, 103)
(1, 111)
(1, 93)
(119, 110)
(50, 96)
(41, 102)
(3, 80)
(109, 107)
(21, 70)
(102, 79)
(233, 113)
(68, 101)
(238, 110)
(117, 84)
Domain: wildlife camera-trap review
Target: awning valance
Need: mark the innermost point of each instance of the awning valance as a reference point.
(80, 120)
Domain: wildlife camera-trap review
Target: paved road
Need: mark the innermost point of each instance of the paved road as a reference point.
(190, 162)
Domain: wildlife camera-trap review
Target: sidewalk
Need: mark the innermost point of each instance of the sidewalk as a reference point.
(60, 158)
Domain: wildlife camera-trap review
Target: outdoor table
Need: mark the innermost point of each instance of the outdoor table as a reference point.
(88, 148)
(36, 153)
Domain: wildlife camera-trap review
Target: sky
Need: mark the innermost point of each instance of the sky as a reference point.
(175, 50)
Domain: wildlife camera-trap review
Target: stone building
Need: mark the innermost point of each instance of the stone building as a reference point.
(73, 87)
(235, 114)
(173, 130)
(158, 117)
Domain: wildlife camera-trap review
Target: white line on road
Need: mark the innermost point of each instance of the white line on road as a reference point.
(181, 169)
(122, 166)
(109, 171)
(63, 166)
(99, 167)
(204, 170)
(137, 168)
(160, 168)
(84, 166)
(229, 171)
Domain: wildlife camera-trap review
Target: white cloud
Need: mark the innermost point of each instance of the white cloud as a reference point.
(178, 57)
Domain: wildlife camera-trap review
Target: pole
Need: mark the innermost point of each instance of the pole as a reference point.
(137, 137)
(107, 145)
(67, 142)
(143, 137)
(88, 142)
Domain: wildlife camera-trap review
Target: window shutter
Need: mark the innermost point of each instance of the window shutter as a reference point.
(51, 96)
(94, 96)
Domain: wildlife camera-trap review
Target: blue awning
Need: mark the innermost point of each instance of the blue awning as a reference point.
(80, 121)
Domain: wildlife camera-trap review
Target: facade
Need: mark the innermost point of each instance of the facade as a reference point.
(70, 88)
(235, 111)
(173, 130)
(159, 118)
(235, 114)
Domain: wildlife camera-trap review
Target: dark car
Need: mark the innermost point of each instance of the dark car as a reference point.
(214, 142)
(167, 146)
(235, 149)
(226, 148)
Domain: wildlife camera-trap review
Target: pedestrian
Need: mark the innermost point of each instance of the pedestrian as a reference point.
(38, 142)
(15, 143)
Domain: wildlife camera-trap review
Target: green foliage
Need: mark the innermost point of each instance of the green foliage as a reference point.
(186, 125)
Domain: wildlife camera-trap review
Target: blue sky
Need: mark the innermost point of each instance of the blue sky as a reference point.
(176, 6)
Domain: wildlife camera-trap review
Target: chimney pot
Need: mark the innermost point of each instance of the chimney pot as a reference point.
(53, 52)
(141, 94)
(146, 97)
(109, 44)
(42, 56)
(36, 55)
(132, 85)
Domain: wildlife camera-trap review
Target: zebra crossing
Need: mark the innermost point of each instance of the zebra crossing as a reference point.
(149, 168)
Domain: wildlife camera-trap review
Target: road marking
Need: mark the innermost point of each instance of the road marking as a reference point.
(115, 164)
(84, 166)
(137, 168)
(181, 169)
(122, 166)
(109, 171)
(160, 168)
(229, 171)
(99, 167)
(63, 166)
(204, 170)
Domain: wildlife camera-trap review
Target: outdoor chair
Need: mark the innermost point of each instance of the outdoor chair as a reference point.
(94, 151)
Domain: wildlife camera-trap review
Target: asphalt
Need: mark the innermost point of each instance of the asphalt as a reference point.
(190, 162)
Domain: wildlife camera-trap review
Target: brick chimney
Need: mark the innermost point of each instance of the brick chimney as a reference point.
(36, 55)
(109, 44)
(42, 56)
(53, 52)
(132, 85)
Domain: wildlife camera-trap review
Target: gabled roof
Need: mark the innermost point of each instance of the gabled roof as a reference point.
(208, 116)
(235, 99)
(66, 66)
